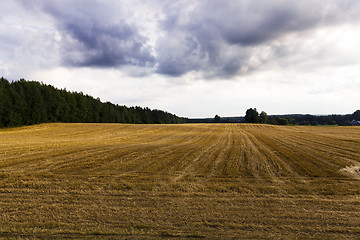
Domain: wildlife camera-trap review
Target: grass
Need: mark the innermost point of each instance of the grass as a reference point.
(116, 181)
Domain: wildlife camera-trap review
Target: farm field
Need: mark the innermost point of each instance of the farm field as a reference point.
(118, 181)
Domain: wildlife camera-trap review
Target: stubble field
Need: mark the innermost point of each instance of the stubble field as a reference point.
(115, 181)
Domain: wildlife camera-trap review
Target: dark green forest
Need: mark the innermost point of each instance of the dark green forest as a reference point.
(29, 102)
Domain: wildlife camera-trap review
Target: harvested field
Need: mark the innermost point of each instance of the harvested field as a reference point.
(117, 181)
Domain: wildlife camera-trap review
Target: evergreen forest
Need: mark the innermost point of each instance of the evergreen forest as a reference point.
(29, 102)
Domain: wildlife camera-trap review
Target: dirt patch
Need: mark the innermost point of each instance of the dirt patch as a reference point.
(351, 171)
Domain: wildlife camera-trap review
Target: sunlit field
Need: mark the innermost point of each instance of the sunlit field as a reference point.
(115, 181)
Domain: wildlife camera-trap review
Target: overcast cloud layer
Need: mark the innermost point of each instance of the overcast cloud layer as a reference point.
(172, 48)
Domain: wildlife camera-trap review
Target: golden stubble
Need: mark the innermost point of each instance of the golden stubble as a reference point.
(179, 181)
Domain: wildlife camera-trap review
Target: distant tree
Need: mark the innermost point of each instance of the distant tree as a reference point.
(36, 110)
(6, 109)
(314, 123)
(356, 115)
(263, 117)
(217, 119)
(2, 103)
(80, 110)
(19, 105)
(228, 120)
(252, 116)
(281, 121)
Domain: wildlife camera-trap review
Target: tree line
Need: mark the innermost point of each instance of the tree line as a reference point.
(29, 102)
(252, 116)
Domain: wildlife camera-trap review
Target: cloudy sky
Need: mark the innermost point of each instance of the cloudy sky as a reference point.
(191, 58)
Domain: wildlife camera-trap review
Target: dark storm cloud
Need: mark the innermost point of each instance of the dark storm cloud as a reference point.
(95, 34)
(219, 37)
(255, 22)
(92, 44)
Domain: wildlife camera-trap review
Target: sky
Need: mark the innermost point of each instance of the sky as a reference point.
(191, 58)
